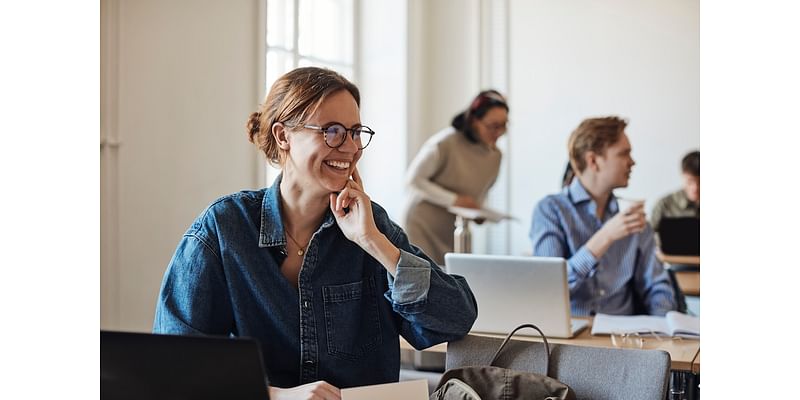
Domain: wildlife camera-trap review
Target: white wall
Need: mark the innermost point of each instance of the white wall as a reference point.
(382, 77)
(419, 66)
(444, 53)
(574, 59)
(179, 80)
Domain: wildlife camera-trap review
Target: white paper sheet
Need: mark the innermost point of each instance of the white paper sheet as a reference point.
(406, 390)
(479, 213)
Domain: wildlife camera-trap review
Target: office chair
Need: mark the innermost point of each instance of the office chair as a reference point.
(593, 372)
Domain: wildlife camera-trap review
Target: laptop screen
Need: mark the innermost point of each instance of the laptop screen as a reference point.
(149, 366)
(680, 236)
(515, 290)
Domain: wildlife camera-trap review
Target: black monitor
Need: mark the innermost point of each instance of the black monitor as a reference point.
(680, 236)
(150, 366)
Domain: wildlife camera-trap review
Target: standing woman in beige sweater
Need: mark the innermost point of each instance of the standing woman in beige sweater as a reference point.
(455, 167)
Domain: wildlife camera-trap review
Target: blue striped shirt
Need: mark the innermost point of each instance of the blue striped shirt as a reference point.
(627, 279)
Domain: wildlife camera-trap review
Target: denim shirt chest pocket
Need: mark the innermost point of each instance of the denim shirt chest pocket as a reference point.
(351, 318)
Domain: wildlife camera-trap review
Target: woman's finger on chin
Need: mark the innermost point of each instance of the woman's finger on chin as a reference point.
(334, 205)
(342, 199)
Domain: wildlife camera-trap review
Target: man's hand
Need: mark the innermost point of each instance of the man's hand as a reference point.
(625, 223)
(631, 221)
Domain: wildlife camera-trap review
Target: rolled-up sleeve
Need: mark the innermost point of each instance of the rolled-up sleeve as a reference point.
(435, 307)
(409, 289)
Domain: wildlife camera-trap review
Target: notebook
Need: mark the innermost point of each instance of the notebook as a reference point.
(672, 324)
(680, 236)
(511, 291)
(148, 366)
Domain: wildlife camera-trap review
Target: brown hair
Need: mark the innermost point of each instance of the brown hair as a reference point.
(691, 163)
(481, 104)
(593, 134)
(292, 99)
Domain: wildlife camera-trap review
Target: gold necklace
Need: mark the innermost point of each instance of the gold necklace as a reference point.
(300, 249)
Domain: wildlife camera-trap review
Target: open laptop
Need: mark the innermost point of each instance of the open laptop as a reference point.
(148, 366)
(511, 291)
(680, 236)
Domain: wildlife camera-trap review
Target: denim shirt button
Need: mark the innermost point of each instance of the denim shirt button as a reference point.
(305, 304)
(309, 362)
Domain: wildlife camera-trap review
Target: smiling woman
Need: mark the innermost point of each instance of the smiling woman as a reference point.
(329, 304)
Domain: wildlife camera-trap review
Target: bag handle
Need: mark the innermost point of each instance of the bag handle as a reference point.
(546, 346)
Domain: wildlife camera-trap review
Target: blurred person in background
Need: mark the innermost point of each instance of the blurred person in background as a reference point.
(455, 167)
(684, 202)
(610, 250)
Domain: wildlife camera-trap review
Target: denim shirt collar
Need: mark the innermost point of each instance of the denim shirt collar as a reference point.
(272, 231)
(578, 194)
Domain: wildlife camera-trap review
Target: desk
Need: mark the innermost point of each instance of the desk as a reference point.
(683, 352)
(696, 363)
(678, 260)
(688, 281)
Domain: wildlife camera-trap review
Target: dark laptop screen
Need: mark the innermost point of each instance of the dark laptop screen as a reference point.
(680, 236)
(148, 366)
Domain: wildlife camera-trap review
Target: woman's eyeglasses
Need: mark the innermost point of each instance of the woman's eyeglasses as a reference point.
(335, 134)
(495, 127)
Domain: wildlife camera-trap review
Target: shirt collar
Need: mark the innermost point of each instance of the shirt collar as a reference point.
(271, 232)
(578, 194)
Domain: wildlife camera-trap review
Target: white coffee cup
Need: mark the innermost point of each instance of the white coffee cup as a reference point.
(625, 203)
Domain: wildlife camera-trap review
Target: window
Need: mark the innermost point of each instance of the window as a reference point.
(304, 33)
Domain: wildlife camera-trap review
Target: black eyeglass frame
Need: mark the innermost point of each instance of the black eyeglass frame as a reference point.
(352, 131)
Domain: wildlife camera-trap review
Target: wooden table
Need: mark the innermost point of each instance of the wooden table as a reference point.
(678, 260)
(683, 352)
(696, 363)
(688, 281)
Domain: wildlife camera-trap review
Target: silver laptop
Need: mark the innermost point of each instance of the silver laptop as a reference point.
(511, 291)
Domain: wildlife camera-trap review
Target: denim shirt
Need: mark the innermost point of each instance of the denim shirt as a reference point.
(341, 325)
(627, 279)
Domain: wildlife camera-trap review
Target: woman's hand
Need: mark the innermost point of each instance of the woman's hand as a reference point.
(319, 390)
(356, 222)
(358, 225)
(466, 202)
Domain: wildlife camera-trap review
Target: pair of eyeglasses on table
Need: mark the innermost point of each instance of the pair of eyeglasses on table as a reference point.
(634, 340)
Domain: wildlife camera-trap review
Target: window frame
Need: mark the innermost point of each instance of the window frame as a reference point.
(297, 58)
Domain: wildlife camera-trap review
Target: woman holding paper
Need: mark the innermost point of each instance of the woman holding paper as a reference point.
(455, 167)
(310, 266)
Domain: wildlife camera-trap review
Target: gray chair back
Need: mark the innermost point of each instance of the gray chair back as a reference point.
(593, 372)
